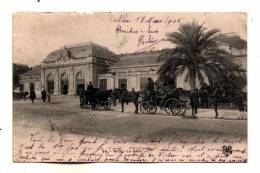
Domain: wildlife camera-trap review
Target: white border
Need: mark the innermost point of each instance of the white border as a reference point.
(7, 8)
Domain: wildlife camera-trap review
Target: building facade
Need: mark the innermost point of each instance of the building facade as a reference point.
(70, 68)
(66, 70)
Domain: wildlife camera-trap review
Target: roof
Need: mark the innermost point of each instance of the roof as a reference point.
(139, 59)
(82, 50)
(35, 71)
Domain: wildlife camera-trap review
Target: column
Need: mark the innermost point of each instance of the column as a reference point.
(71, 81)
(27, 86)
(43, 79)
(56, 82)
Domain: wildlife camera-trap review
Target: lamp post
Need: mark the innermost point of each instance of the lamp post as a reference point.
(114, 75)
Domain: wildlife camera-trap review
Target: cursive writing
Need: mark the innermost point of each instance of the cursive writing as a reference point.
(145, 28)
(37, 148)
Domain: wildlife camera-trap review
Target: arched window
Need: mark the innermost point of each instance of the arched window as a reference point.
(50, 77)
(64, 76)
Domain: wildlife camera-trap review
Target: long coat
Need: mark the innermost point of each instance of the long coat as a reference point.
(32, 95)
(194, 99)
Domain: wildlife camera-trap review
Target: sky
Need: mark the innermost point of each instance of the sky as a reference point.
(35, 35)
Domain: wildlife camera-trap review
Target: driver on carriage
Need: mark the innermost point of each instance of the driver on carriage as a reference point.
(90, 87)
(150, 85)
(150, 89)
(89, 92)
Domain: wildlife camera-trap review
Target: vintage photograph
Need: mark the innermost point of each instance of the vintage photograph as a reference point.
(130, 87)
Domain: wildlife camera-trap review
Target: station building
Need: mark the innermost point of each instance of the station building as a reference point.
(72, 67)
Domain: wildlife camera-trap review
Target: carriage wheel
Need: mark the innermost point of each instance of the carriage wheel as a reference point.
(183, 108)
(147, 108)
(107, 104)
(144, 107)
(172, 107)
(153, 109)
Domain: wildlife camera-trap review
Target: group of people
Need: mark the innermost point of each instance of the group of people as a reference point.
(46, 94)
(43, 93)
(83, 94)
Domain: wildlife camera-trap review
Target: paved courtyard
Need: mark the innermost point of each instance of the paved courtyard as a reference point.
(64, 115)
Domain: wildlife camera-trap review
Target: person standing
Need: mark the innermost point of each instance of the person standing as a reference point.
(32, 95)
(49, 96)
(82, 97)
(204, 93)
(194, 102)
(150, 90)
(43, 95)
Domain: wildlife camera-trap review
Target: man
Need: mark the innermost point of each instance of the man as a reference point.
(89, 92)
(150, 85)
(82, 97)
(49, 95)
(150, 90)
(43, 95)
(203, 93)
(194, 102)
(218, 95)
(90, 87)
(32, 95)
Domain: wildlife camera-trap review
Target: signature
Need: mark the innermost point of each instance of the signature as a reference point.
(149, 43)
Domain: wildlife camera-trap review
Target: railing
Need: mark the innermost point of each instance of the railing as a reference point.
(225, 106)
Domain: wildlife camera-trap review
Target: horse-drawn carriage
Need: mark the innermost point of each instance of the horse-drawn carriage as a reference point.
(96, 98)
(173, 102)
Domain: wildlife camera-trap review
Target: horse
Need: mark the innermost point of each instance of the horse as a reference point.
(129, 96)
(116, 93)
(236, 97)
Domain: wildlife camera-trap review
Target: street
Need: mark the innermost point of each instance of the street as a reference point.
(64, 115)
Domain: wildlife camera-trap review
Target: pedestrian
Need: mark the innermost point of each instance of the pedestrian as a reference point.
(32, 95)
(81, 97)
(49, 96)
(194, 102)
(203, 93)
(43, 95)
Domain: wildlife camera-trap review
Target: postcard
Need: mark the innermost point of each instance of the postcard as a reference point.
(130, 87)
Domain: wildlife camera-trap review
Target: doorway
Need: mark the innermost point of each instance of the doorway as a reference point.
(64, 84)
(50, 83)
(79, 82)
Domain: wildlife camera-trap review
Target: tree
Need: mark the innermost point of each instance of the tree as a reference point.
(198, 54)
(233, 77)
(18, 69)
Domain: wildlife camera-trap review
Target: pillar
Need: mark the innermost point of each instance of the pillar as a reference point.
(57, 82)
(43, 79)
(71, 81)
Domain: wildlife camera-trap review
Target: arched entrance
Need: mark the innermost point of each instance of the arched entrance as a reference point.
(64, 84)
(79, 82)
(50, 83)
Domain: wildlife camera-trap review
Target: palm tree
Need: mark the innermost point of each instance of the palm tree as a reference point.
(233, 77)
(198, 54)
